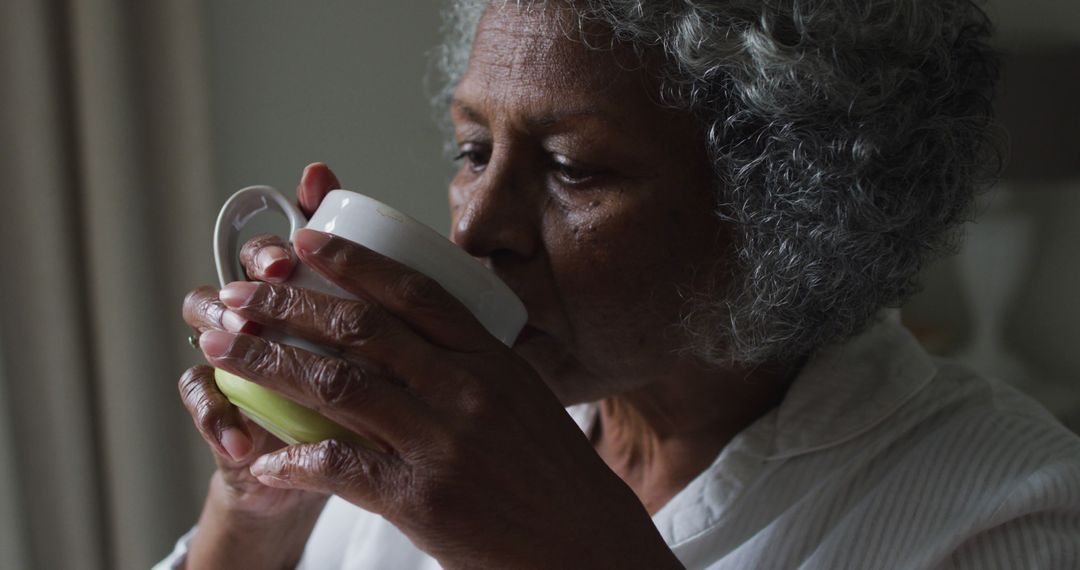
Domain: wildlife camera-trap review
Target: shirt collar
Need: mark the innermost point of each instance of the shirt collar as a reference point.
(847, 389)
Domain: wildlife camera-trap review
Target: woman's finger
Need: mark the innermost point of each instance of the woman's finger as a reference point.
(217, 420)
(413, 297)
(357, 327)
(315, 183)
(359, 396)
(203, 311)
(267, 257)
(362, 476)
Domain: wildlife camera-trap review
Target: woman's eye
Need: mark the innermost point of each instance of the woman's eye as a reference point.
(570, 173)
(475, 156)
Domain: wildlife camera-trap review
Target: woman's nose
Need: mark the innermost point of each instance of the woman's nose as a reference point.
(494, 216)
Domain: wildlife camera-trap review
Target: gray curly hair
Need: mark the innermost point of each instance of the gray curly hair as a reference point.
(848, 139)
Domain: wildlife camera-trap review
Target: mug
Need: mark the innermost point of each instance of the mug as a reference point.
(372, 224)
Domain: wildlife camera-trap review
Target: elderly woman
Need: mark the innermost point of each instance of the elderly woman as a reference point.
(706, 207)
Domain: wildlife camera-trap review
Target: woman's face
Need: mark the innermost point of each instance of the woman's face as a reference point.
(592, 202)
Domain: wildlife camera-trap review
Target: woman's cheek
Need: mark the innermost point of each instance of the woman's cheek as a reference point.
(609, 272)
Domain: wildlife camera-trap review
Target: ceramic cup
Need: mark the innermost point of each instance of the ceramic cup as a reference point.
(380, 228)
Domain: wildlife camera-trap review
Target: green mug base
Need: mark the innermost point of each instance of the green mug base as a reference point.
(288, 421)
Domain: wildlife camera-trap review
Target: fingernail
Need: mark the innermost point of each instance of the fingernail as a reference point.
(236, 443)
(264, 465)
(269, 257)
(238, 293)
(308, 169)
(216, 344)
(315, 169)
(310, 241)
(234, 322)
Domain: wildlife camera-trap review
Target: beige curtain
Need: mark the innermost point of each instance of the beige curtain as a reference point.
(105, 214)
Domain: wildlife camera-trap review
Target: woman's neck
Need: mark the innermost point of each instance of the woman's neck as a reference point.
(659, 437)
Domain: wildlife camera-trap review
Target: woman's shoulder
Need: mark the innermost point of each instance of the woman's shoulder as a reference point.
(896, 457)
(882, 394)
(970, 437)
(987, 468)
(1006, 426)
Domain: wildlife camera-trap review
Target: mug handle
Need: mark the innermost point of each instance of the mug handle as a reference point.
(289, 421)
(235, 214)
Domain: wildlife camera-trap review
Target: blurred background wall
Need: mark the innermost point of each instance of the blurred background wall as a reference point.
(1005, 304)
(125, 125)
(337, 81)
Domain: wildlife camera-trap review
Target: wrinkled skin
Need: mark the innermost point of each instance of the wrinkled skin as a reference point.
(236, 441)
(264, 258)
(591, 201)
(595, 205)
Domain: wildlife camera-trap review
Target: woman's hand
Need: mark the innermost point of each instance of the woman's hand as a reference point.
(235, 440)
(245, 524)
(480, 464)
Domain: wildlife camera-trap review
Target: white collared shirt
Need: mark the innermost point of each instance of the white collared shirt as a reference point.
(878, 457)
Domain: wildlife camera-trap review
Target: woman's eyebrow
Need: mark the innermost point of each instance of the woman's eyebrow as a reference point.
(470, 113)
(539, 122)
(551, 119)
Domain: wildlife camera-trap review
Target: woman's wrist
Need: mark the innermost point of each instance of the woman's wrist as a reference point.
(231, 536)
